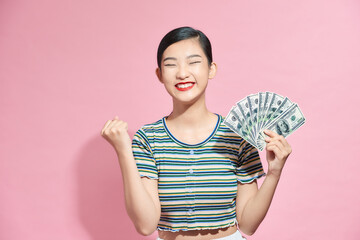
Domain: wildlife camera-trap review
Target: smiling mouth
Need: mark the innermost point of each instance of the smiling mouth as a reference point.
(184, 86)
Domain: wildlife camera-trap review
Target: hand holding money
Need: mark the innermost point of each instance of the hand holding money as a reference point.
(277, 152)
(257, 112)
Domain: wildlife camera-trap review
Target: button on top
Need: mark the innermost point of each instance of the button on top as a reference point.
(191, 211)
(191, 171)
(190, 190)
(191, 152)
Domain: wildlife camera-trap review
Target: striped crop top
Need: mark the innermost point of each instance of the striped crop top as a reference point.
(197, 183)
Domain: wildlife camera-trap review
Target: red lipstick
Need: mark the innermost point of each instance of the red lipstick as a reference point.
(184, 86)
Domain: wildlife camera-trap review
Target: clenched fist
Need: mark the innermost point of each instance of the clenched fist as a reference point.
(115, 132)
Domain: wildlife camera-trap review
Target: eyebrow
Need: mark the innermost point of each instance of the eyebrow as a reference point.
(169, 58)
(173, 58)
(194, 55)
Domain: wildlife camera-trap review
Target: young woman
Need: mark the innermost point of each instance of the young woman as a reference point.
(188, 175)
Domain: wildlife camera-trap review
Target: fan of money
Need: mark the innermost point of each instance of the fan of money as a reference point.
(264, 110)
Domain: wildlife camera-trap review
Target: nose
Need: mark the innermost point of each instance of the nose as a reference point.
(183, 72)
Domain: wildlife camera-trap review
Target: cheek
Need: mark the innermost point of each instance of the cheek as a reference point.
(166, 75)
(202, 72)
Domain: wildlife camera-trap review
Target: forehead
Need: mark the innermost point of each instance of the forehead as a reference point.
(184, 48)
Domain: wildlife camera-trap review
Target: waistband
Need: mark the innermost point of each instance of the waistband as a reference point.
(235, 236)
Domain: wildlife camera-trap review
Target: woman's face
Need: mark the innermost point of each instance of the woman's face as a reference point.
(185, 71)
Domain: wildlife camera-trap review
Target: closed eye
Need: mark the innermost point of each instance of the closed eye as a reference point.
(169, 65)
(195, 62)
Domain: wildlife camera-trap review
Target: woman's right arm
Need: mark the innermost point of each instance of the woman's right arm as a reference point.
(141, 194)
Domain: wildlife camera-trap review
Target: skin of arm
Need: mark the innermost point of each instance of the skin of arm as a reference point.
(141, 194)
(252, 203)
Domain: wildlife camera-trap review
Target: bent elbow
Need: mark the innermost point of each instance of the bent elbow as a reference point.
(249, 233)
(248, 230)
(145, 230)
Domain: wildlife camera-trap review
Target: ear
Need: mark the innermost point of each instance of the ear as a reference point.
(158, 74)
(212, 70)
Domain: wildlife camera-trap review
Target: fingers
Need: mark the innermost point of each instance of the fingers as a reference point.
(275, 149)
(270, 133)
(274, 136)
(279, 141)
(105, 127)
(112, 125)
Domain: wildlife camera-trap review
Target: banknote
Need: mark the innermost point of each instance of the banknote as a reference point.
(268, 97)
(243, 122)
(243, 107)
(285, 104)
(233, 121)
(275, 102)
(262, 100)
(287, 122)
(264, 110)
(253, 101)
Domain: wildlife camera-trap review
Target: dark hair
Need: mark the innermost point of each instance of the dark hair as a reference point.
(183, 33)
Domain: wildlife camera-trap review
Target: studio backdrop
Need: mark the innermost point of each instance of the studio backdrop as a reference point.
(66, 67)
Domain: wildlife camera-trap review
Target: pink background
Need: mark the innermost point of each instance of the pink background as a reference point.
(68, 66)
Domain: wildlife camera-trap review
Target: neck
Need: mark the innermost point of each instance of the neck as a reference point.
(189, 114)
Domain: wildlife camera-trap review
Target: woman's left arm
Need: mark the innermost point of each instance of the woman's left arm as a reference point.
(252, 203)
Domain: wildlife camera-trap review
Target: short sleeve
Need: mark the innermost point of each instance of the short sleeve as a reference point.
(249, 166)
(143, 155)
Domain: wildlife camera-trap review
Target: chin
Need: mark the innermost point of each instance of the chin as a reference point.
(187, 101)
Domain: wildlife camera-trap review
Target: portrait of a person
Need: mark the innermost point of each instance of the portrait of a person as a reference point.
(282, 127)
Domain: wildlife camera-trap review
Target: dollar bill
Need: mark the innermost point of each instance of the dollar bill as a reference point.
(275, 102)
(286, 104)
(268, 97)
(260, 143)
(239, 126)
(264, 110)
(243, 121)
(243, 107)
(253, 101)
(262, 100)
(288, 121)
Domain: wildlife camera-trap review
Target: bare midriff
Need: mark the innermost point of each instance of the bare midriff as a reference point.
(198, 234)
